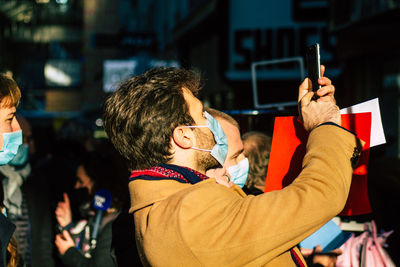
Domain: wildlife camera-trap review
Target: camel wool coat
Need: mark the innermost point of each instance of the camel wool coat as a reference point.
(207, 224)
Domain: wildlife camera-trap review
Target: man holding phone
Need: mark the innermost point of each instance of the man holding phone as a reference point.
(184, 218)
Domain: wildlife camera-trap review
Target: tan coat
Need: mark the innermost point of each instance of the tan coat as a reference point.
(207, 224)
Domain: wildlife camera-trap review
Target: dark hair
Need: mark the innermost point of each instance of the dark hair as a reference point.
(9, 90)
(105, 174)
(77, 129)
(257, 147)
(142, 114)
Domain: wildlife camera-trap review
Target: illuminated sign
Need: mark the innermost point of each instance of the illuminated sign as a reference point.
(62, 73)
(117, 71)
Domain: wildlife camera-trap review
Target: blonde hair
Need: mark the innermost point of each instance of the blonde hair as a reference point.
(9, 91)
(257, 147)
(13, 257)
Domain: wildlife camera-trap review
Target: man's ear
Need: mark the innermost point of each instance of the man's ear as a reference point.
(183, 137)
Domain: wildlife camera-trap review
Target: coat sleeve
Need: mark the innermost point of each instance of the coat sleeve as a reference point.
(237, 228)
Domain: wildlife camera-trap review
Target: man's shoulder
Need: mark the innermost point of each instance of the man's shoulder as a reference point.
(147, 192)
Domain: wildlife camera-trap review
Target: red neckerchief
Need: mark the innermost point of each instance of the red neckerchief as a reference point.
(169, 171)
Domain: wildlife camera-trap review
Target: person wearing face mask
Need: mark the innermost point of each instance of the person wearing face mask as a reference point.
(96, 172)
(13, 176)
(26, 199)
(10, 140)
(185, 218)
(236, 163)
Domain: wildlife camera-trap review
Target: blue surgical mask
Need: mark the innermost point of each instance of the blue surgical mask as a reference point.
(239, 172)
(11, 142)
(22, 156)
(220, 149)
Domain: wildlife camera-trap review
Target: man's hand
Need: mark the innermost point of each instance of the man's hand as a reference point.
(313, 113)
(221, 175)
(64, 242)
(63, 212)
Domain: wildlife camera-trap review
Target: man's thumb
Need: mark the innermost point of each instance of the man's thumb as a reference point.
(307, 99)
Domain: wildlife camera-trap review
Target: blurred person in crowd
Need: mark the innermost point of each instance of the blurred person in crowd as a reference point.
(71, 142)
(95, 172)
(184, 218)
(12, 177)
(10, 140)
(27, 204)
(257, 146)
(28, 142)
(56, 171)
(10, 130)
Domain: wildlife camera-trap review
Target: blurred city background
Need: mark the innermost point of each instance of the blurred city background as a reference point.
(68, 55)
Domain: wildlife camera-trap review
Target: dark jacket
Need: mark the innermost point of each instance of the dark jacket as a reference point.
(7, 228)
(100, 256)
(40, 218)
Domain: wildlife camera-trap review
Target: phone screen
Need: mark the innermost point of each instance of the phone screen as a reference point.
(313, 65)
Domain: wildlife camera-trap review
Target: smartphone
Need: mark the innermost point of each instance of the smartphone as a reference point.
(313, 65)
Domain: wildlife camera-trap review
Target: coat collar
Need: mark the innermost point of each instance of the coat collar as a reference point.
(170, 172)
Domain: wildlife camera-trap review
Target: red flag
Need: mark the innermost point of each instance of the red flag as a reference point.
(288, 149)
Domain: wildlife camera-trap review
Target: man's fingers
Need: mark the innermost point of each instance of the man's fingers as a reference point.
(322, 68)
(324, 81)
(304, 88)
(306, 99)
(327, 98)
(326, 90)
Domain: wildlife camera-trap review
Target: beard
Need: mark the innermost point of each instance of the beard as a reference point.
(204, 158)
